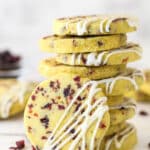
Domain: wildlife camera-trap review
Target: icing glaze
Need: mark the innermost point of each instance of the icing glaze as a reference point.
(87, 119)
(118, 141)
(104, 26)
(16, 93)
(98, 59)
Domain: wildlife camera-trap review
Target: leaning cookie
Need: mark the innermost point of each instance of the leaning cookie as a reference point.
(57, 44)
(129, 53)
(50, 67)
(66, 112)
(94, 25)
(124, 140)
(13, 96)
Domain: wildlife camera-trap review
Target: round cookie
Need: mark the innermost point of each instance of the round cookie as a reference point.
(50, 67)
(124, 140)
(129, 53)
(66, 112)
(94, 25)
(121, 112)
(13, 96)
(57, 44)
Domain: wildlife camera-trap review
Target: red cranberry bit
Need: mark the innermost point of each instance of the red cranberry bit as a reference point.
(83, 59)
(102, 125)
(143, 113)
(20, 144)
(33, 97)
(125, 60)
(61, 107)
(100, 43)
(66, 91)
(44, 138)
(77, 79)
(45, 121)
(47, 106)
(55, 85)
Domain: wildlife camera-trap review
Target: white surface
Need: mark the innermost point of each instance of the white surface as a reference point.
(12, 130)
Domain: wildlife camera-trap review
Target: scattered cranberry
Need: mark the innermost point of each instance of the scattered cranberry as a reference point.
(33, 97)
(19, 145)
(143, 113)
(61, 107)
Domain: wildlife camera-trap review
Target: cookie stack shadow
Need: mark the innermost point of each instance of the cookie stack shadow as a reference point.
(96, 48)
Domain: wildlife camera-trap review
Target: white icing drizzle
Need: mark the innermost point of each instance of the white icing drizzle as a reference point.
(82, 25)
(118, 143)
(73, 56)
(97, 59)
(120, 51)
(79, 58)
(127, 104)
(16, 93)
(107, 27)
(98, 108)
(92, 60)
(110, 82)
(101, 25)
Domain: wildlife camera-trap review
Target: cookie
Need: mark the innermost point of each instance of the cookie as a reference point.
(13, 96)
(129, 53)
(124, 140)
(50, 67)
(94, 25)
(57, 44)
(66, 112)
(121, 112)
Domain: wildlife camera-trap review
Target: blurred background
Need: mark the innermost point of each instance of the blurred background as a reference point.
(24, 22)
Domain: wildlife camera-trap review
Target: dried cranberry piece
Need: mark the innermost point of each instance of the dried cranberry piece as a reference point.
(20, 144)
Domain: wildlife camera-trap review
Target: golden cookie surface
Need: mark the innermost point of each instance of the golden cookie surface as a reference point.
(50, 67)
(57, 44)
(66, 107)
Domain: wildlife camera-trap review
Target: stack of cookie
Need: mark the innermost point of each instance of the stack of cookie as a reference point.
(81, 105)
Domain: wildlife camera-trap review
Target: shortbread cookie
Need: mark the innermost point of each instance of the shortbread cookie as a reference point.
(129, 53)
(50, 67)
(57, 44)
(94, 25)
(124, 140)
(66, 112)
(13, 96)
(121, 112)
